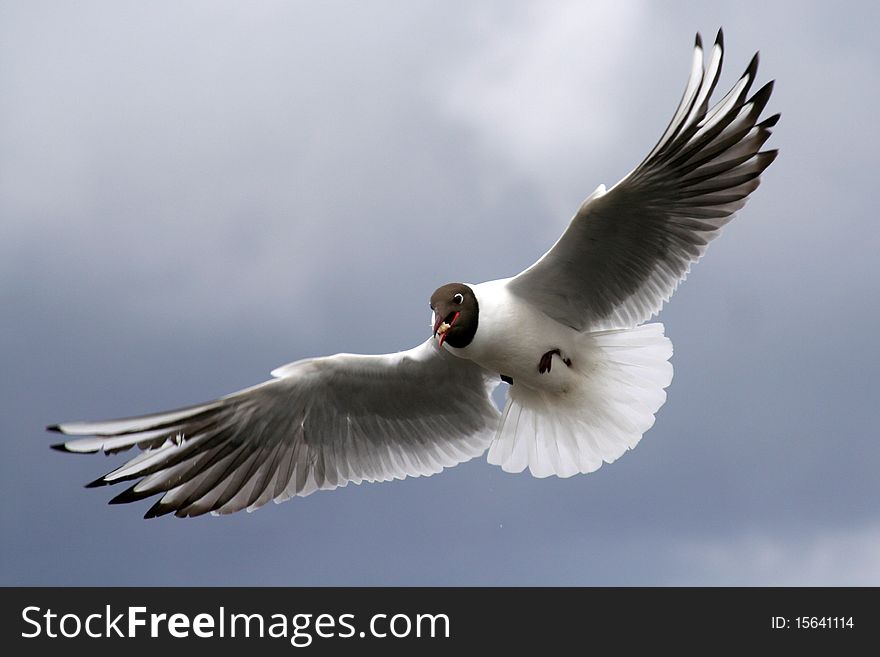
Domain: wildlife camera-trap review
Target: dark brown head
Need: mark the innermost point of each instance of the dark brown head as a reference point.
(455, 314)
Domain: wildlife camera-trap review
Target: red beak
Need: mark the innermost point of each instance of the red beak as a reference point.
(446, 332)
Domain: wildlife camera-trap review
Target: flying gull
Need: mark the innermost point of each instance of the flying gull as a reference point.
(585, 374)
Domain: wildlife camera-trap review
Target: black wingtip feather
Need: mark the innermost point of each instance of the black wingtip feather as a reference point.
(131, 495)
(97, 483)
(158, 510)
(767, 157)
(719, 38)
(698, 42)
(55, 428)
(761, 96)
(752, 68)
(771, 121)
(61, 447)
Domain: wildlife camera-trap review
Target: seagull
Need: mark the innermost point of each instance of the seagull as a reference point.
(585, 374)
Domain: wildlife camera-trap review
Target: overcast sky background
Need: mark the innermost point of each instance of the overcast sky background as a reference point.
(192, 194)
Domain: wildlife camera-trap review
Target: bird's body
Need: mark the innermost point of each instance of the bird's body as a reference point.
(586, 375)
(513, 336)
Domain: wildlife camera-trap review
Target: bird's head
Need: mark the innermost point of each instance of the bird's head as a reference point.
(455, 314)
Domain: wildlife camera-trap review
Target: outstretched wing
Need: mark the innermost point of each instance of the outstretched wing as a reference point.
(625, 251)
(321, 423)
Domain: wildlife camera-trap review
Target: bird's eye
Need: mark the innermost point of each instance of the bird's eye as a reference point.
(458, 298)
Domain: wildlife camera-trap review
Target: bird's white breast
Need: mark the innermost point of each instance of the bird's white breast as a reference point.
(512, 336)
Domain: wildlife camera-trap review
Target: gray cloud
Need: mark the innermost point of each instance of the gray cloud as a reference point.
(194, 194)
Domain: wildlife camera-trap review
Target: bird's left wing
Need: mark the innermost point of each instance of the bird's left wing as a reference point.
(625, 251)
(319, 424)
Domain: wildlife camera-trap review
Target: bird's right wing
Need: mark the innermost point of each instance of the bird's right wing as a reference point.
(627, 249)
(319, 424)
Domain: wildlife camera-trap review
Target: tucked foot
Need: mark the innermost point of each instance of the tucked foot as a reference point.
(546, 361)
(507, 379)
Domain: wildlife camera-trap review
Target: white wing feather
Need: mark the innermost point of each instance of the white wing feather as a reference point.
(627, 249)
(321, 423)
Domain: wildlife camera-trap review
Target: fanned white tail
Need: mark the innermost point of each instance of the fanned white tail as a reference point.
(621, 376)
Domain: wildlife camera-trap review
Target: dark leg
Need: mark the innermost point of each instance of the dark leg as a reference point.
(546, 361)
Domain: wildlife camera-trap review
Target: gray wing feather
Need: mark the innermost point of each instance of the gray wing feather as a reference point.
(625, 251)
(321, 423)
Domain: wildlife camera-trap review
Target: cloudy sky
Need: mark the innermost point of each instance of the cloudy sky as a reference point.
(193, 193)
